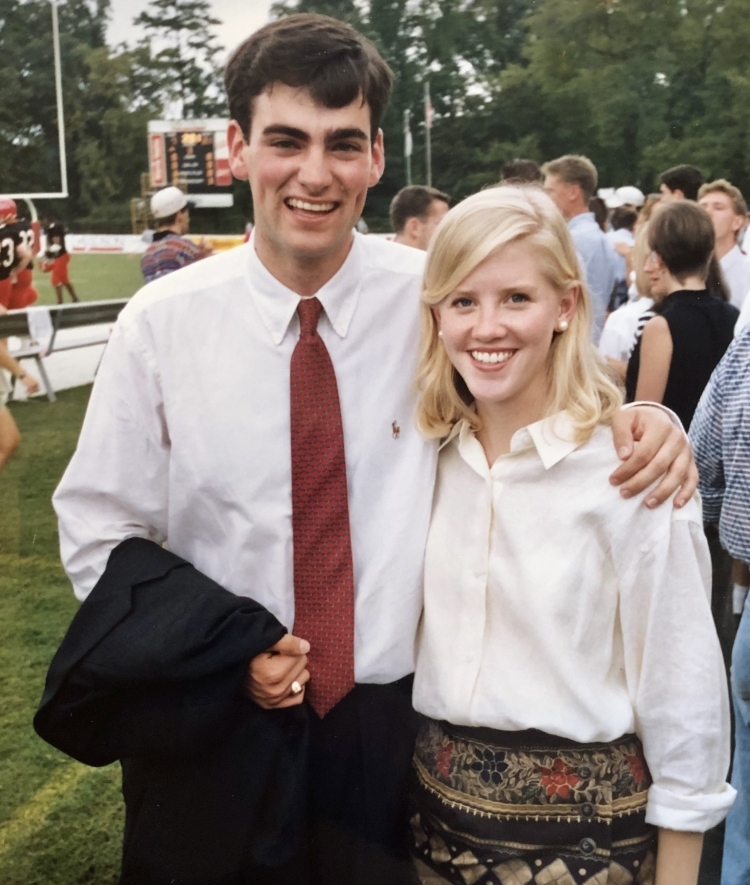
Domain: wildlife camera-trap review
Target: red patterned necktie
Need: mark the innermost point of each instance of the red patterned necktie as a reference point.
(323, 573)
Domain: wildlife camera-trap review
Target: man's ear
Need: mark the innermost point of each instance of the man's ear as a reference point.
(237, 150)
(411, 228)
(378, 159)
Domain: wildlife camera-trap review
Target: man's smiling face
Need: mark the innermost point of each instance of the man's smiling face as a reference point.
(309, 169)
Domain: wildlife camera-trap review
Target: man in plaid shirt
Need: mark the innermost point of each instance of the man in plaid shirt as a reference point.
(720, 434)
(170, 249)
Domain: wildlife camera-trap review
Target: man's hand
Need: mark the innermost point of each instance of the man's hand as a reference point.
(271, 674)
(652, 447)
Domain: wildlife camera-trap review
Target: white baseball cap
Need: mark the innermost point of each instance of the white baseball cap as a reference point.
(168, 201)
(630, 195)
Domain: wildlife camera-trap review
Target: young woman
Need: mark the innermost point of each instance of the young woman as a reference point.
(682, 345)
(567, 665)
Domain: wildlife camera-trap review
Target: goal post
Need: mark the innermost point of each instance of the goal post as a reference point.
(62, 194)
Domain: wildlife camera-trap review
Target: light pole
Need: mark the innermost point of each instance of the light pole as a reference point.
(427, 128)
(408, 144)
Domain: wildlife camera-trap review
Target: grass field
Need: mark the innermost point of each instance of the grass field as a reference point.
(60, 822)
(95, 278)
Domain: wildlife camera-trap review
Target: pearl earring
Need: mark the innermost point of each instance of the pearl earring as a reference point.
(440, 334)
(562, 326)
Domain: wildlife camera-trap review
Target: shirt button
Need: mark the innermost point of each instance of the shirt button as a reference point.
(587, 809)
(584, 772)
(587, 846)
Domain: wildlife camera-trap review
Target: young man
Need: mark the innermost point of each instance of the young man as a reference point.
(305, 485)
(571, 182)
(680, 183)
(415, 213)
(728, 210)
(170, 249)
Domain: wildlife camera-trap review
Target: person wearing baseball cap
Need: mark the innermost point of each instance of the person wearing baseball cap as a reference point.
(170, 249)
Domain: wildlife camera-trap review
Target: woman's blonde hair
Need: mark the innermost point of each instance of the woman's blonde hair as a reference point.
(471, 232)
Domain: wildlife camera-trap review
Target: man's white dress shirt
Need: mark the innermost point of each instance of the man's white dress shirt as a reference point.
(735, 266)
(552, 603)
(186, 439)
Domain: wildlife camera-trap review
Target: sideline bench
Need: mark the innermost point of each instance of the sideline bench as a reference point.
(27, 323)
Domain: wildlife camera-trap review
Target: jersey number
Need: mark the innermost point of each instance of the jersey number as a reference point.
(8, 247)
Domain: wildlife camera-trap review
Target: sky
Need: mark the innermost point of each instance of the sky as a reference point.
(239, 19)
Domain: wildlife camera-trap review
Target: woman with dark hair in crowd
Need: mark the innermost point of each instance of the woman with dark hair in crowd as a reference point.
(682, 345)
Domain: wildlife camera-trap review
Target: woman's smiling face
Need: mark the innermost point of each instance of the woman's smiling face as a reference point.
(497, 326)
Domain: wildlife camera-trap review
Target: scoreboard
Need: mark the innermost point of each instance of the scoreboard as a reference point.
(191, 153)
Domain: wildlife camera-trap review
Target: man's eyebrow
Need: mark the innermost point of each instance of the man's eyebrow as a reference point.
(289, 131)
(301, 135)
(352, 132)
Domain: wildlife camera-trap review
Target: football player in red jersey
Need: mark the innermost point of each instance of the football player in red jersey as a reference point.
(16, 258)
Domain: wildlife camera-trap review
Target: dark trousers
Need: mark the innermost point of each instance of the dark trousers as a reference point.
(187, 823)
(358, 773)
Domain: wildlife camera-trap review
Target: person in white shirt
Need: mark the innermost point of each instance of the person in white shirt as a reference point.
(625, 325)
(565, 725)
(171, 452)
(727, 208)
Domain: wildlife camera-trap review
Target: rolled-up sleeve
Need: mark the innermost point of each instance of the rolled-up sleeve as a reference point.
(676, 678)
(116, 485)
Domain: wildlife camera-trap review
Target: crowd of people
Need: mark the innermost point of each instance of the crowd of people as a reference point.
(418, 597)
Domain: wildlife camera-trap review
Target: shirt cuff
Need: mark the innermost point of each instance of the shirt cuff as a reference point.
(675, 420)
(712, 501)
(694, 814)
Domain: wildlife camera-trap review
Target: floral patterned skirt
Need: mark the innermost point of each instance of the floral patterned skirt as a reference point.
(511, 808)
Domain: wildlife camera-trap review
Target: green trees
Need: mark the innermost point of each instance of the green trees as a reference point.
(638, 85)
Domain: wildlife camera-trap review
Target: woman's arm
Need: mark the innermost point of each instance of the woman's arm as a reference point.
(656, 357)
(678, 857)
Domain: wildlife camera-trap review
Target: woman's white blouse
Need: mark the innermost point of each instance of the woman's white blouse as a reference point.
(553, 603)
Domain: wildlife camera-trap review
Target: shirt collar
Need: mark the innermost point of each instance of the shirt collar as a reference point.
(581, 220)
(553, 437)
(277, 304)
(732, 257)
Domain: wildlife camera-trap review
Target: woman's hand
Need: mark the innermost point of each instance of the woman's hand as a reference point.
(653, 447)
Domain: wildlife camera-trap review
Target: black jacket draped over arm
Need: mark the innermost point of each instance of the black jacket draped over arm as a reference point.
(151, 672)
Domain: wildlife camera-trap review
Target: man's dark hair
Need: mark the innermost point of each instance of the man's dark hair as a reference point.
(682, 235)
(599, 208)
(168, 221)
(685, 178)
(414, 201)
(623, 217)
(328, 58)
(519, 171)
